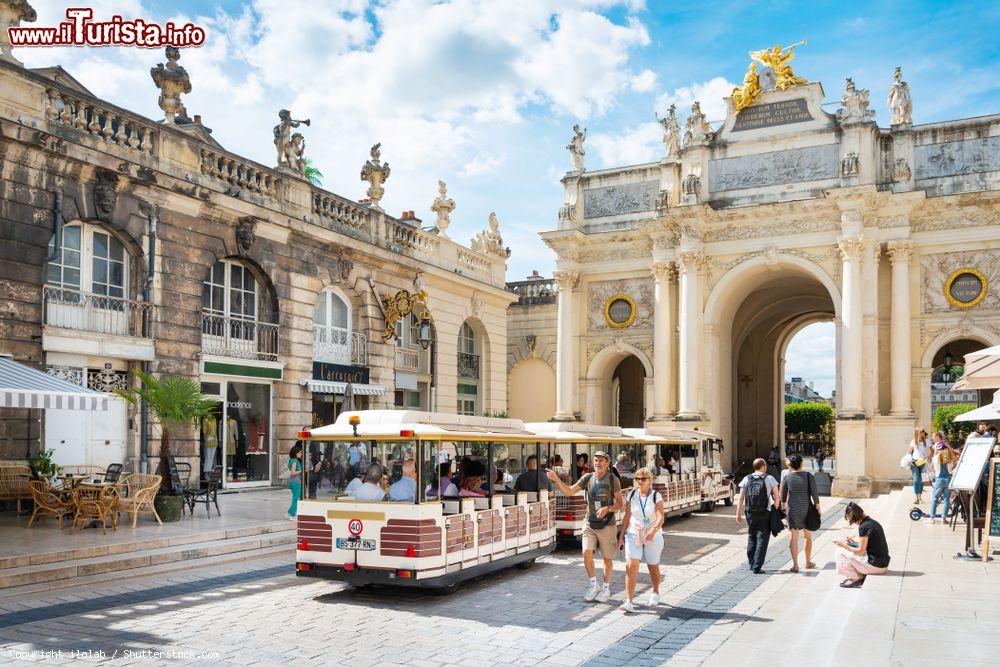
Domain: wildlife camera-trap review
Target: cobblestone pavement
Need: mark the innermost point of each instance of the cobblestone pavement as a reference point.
(259, 612)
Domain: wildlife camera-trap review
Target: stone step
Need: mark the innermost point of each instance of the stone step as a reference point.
(139, 544)
(14, 577)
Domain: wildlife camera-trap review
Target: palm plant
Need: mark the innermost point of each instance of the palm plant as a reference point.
(314, 175)
(174, 401)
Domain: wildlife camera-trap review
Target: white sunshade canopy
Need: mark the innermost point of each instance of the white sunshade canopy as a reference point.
(22, 386)
(982, 370)
(983, 413)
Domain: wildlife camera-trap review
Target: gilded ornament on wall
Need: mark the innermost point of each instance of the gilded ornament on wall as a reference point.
(619, 311)
(965, 288)
(401, 304)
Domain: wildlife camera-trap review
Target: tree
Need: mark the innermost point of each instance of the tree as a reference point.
(944, 421)
(174, 401)
(808, 418)
(314, 175)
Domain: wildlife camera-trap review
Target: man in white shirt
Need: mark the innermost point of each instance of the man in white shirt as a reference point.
(370, 490)
(759, 494)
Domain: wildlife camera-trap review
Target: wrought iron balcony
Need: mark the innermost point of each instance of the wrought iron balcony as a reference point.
(337, 345)
(85, 311)
(468, 366)
(534, 292)
(239, 338)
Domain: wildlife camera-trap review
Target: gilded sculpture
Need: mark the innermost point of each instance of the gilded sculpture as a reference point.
(778, 60)
(401, 304)
(748, 94)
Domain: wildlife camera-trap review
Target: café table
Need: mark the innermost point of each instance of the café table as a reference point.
(95, 483)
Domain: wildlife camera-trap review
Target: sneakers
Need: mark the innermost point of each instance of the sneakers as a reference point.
(592, 592)
(605, 594)
(290, 517)
(654, 600)
(628, 607)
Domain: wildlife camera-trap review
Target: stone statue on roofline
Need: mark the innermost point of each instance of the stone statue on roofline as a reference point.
(489, 241)
(12, 13)
(375, 172)
(172, 80)
(575, 147)
(671, 132)
(290, 147)
(697, 131)
(899, 101)
(443, 206)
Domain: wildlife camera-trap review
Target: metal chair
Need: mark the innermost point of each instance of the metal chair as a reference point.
(208, 494)
(113, 472)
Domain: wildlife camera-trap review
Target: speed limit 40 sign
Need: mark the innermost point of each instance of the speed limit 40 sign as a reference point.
(354, 526)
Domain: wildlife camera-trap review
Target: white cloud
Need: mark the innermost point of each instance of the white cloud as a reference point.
(642, 143)
(711, 94)
(482, 163)
(644, 82)
(812, 355)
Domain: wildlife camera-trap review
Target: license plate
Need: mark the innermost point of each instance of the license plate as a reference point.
(355, 544)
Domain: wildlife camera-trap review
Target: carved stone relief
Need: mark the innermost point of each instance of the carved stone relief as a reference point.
(814, 163)
(748, 231)
(620, 199)
(955, 218)
(639, 289)
(594, 347)
(954, 158)
(935, 270)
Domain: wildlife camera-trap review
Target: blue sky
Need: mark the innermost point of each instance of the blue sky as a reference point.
(483, 94)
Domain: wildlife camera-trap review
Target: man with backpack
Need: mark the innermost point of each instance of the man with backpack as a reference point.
(604, 498)
(758, 495)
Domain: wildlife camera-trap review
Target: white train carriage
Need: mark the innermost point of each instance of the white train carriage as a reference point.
(696, 458)
(432, 530)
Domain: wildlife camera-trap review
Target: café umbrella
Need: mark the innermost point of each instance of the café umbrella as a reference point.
(982, 370)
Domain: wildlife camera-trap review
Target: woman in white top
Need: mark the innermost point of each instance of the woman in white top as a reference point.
(919, 452)
(642, 536)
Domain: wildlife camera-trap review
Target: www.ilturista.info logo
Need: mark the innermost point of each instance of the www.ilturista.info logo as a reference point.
(79, 30)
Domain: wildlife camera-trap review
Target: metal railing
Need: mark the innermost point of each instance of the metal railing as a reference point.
(534, 292)
(239, 338)
(468, 366)
(411, 361)
(97, 313)
(337, 345)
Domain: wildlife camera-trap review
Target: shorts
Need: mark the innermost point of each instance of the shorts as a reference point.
(645, 553)
(606, 538)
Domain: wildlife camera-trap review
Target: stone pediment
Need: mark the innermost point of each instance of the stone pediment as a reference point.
(796, 110)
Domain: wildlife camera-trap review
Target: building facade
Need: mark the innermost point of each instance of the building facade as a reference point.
(131, 243)
(682, 281)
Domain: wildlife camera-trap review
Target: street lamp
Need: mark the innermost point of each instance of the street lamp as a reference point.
(424, 331)
(946, 371)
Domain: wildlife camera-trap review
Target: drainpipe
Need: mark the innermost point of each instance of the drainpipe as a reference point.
(57, 246)
(146, 326)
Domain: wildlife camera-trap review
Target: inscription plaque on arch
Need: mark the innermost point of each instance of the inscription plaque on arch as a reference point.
(965, 288)
(773, 113)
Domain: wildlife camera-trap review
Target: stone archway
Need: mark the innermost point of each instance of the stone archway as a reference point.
(751, 316)
(615, 369)
(958, 344)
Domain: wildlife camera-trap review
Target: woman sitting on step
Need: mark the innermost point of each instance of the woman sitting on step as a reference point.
(868, 554)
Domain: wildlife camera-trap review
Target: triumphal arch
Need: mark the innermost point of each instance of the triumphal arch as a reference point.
(682, 281)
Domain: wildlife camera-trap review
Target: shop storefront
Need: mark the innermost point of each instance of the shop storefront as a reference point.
(239, 436)
(334, 385)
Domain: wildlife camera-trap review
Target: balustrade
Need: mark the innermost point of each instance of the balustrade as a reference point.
(534, 292)
(239, 173)
(339, 210)
(114, 127)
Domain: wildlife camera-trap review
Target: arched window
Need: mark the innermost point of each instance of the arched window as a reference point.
(332, 339)
(232, 322)
(469, 383)
(90, 260)
(230, 291)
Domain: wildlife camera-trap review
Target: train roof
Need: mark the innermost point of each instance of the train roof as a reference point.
(392, 424)
(577, 431)
(671, 434)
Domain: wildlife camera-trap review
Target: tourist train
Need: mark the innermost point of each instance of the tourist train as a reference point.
(434, 530)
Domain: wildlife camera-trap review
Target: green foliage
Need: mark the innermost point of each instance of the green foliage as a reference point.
(808, 418)
(174, 401)
(944, 421)
(43, 463)
(496, 413)
(314, 175)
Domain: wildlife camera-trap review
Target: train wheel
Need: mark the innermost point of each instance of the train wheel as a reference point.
(526, 565)
(445, 590)
(728, 501)
(711, 505)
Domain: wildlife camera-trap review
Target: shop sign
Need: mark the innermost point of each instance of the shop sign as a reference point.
(241, 405)
(340, 373)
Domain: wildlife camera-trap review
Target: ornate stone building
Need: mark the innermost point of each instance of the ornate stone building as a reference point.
(130, 243)
(681, 282)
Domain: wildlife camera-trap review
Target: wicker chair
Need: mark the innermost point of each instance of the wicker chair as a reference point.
(48, 503)
(92, 472)
(14, 483)
(140, 491)
(93, 504)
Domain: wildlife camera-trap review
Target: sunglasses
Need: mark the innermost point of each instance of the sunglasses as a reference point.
(643, 479)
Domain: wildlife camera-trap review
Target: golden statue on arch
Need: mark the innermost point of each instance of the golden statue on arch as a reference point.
(777, 70)
(778, 59)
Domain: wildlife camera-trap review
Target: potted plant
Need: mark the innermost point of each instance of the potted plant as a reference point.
(175, 401)
(44, 466)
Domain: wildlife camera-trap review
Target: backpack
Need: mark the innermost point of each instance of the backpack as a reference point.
(756, 495)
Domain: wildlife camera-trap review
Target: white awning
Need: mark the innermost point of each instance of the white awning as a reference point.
(984, 412)
(329, 387)
(22, 386)
(982, 370)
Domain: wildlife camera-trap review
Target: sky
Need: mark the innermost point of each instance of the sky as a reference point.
(482, 94)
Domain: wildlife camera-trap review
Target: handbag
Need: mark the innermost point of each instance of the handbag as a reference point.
(812, 521)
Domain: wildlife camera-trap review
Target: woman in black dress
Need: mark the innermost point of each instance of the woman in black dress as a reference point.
(798, 492)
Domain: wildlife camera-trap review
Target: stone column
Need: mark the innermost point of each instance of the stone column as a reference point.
(566, 344)
(692, 267)
(852, 323)
(664, 274)
(899, 256)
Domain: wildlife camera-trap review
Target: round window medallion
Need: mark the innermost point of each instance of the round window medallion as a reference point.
(965, 288)
(619, 311)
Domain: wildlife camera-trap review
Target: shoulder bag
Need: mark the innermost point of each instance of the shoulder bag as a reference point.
(812, 521)
(593, 521)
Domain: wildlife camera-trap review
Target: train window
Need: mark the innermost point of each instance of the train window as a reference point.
(707, 449)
